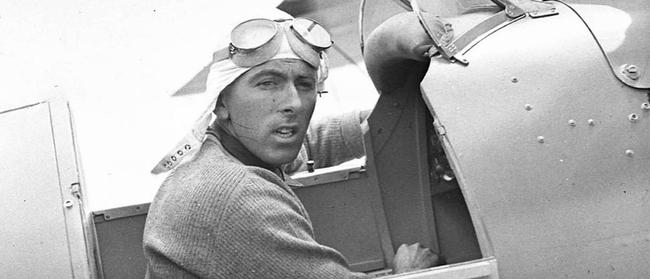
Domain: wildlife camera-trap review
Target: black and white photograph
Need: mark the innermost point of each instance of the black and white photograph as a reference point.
(397, 139)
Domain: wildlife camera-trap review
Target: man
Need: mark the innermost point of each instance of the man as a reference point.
(229, 211)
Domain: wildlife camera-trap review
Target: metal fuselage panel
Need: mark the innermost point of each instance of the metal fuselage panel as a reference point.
(539, 132)
(45, 232)
(621, 28)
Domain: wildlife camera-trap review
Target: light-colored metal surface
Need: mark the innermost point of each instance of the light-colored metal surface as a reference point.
(44, 226)
(621, 28)
(346, 171)
(575, 203)
(477, 269)
(483, 29)
(33, 204)
(512, 11)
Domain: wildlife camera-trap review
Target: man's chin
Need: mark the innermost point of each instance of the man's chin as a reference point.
(278, 159)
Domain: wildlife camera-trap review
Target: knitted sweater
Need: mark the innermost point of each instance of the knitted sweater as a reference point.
(214, 217)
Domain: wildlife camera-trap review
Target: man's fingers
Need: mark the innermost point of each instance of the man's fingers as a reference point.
(415, 246)
(414, 256)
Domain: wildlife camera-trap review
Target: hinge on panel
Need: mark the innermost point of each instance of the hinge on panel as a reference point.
(75, 189)
(534, 8)
(439, 128)
(357, 173)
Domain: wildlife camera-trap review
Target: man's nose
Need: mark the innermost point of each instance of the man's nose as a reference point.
(291, 102)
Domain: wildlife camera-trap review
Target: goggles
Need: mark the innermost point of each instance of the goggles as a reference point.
(255, 41)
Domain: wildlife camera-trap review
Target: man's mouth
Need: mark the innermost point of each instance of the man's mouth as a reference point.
(285, 132)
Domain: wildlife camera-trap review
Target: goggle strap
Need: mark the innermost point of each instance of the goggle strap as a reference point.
(220, 55)
(303, 50)
(323, 70)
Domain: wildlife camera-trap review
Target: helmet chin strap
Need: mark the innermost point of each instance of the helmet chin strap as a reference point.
(323, 72)
(222, 124)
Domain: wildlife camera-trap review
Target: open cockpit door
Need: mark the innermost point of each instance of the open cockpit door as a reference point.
(45, 229)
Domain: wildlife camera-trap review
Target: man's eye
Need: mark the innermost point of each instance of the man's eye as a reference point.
(266, 83)
(306, 85)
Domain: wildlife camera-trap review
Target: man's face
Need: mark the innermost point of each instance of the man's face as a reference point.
(269, 108)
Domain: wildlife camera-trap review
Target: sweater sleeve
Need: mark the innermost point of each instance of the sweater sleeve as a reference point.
(179, 239)
(331, 141)
(267, 233)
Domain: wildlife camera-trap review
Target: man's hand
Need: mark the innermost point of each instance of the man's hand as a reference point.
(413, 257)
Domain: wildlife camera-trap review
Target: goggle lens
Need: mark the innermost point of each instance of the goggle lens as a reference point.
(312, 33)
(255, 41)
(253, 33)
